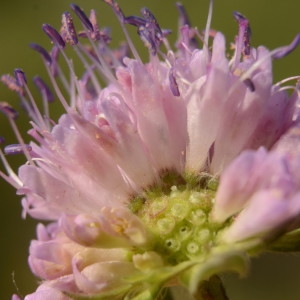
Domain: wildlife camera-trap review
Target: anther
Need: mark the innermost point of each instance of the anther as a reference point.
(97, 34)
(183, 17)
(43, 88)
(20, 77)
(185, 22)
(283, 51)
(8, 110)
(82, 16)
(244, 32)
(173, 83)
(54, 54)
(67, 30)
(148, 39)
(116, 8)
(46, 56)
(12, 84)
(149, 17)
(54, 36)
(16, 149)
(135, 21)
(153, 31)
(148, 29)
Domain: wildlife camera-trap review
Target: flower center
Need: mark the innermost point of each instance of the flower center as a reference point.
(177, 213)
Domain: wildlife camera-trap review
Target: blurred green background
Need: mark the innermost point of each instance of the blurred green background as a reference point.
(274, 23)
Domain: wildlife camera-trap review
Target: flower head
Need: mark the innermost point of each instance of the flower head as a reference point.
(129, 175)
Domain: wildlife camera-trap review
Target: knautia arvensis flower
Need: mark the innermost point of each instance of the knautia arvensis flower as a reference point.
(159, 173)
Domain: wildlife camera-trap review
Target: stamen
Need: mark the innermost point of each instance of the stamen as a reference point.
(54, 36)
(244, 32)
(12, 84)
(185, 22)
(99, 61)
(148, 40)
(118, 12)
(20, 77)
(207, 29)
(12, 178)
(68, 31)
(43, 88)
(148, 30)
(154, 31)
(183, 16)
(8, 110)
(34, 111)
(151, 20)
(53, 70)
(286, 80)
(173, 84)
(135, 21)
(276, 54)
(116, 8)
(46, 56)
(47, 96)
(12, 115)
(89, 68)
(242, 43)
(283, 51)
(97, 35)
(16, 149)
(82, 16)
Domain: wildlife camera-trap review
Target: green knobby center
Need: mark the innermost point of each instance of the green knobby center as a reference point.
(177, 213)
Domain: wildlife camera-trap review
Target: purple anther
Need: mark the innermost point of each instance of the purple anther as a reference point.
(8, 110)
(20, 77)
(187, 34)
(148, 38)
(183, 17)
(244, 32)
(148, 29)
(42, 51)
(173, 83)
(249, 84)
(82, 16)
(2, 139)
(54, 54)
(67, 30)
(16, 149)
(12, 84)
(54, 36)
(43, 88)
(283, 51)
(135, 21)
(151, 22)
(116, 8)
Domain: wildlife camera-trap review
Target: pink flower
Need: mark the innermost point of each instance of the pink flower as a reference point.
(129, 173)
(263, 189)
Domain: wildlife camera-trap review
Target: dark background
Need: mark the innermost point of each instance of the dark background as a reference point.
(274, 23)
